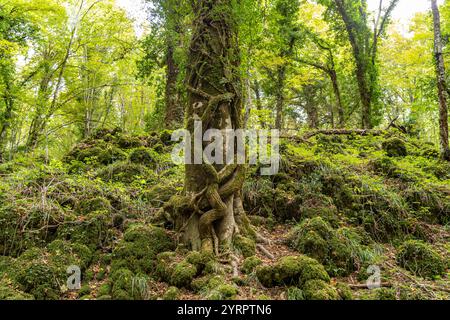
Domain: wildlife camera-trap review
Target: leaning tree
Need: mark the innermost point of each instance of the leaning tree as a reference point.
(210, 212)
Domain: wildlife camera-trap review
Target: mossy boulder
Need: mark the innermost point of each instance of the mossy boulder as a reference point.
(93, 204)
(244, 245)
(122, 288)
(176, 272)
(171, 294)
(420, 258)
(215, 287)
(43, 272)
(395, 147)
(319, 290)
(183, 274)
(250, 264)
(291, 270)
(141, 156)
(92, 229)
(124, 172)
(317, 239)
(139, 248)
(111, 155)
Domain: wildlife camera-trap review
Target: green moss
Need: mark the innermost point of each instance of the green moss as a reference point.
(93, 230)
(291, 270)
(128, 142)
(139, 248)
(385, 294)
(250, 264)
(111, 155)
(319, 290)
(183, 274)
(214, 287)
(165, 265)
(122, 288)
(223, 291)
(9, 291)
(317, 239)
(95, 204)
(395, 147)
(294, 293)
(105, 289)
(42, 272)
(84, 291)
(245, 245)
(141, 156)
(171, 294)
(124, 172)
(344, 291)
(420, 258)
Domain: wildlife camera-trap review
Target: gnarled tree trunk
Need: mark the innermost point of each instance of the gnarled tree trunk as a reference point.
(215, 213)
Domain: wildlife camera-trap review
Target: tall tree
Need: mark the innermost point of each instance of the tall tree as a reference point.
(364, 42)
(441, 82)
(165, 47)
(215, 96)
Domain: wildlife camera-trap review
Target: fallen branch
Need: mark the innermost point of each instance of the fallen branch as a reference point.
(361, 132)
(364, 286)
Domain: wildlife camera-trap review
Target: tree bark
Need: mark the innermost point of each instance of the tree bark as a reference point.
(174, 107)
(258, 102)
(280, 97)
(361, 65)
(214, 97)
(441, 82)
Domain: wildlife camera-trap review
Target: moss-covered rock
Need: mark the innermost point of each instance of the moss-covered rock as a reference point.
(139, 248)
(291, 270)
(215, 287)
(43, 272)
(141, 156)
(183, 274)
(94, 204)
(244, 245)
(344, 291)
(249, 265)
(111, 155)
(171, 294)
(420, 258)
(104, 290)
(124, 172)
(92, 229)
(319, 290)
(395, 147)
(122, 288)
(317, 239)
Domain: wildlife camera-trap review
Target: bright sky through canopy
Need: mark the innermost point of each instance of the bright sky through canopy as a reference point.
(404, 11)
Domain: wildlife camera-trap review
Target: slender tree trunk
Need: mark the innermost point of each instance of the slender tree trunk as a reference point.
(174, 107)
(337, 94)
(6, 119)
(258, 102)
(361, 65)
(280, 97)
(249, 100)
(441, 83)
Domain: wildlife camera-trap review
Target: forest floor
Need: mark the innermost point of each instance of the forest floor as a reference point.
(341, 209)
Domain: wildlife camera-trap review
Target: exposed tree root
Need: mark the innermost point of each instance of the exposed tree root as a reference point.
(265, 251)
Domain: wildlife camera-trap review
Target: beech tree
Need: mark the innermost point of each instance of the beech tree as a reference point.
(441, 82)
